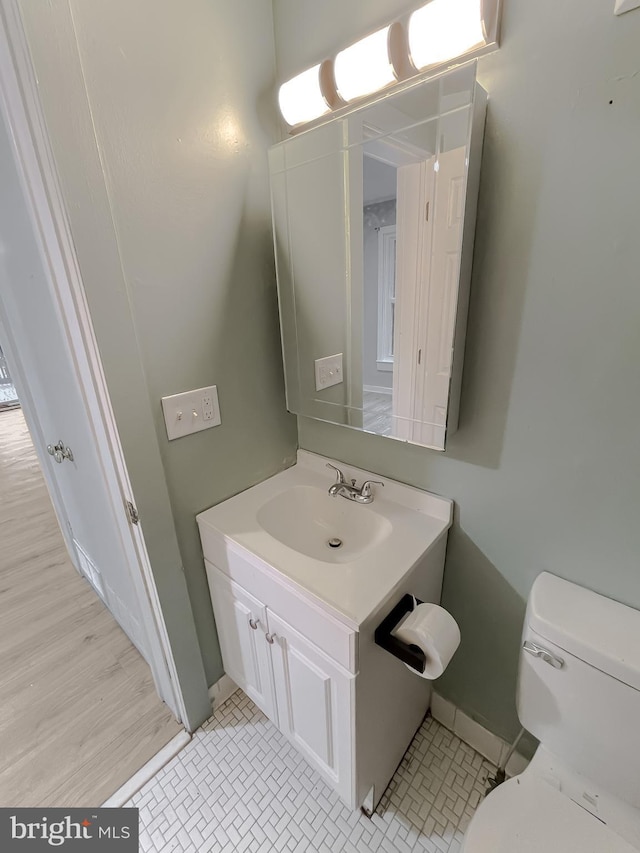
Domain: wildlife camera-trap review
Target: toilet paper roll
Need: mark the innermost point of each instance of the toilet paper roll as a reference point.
(435, 632)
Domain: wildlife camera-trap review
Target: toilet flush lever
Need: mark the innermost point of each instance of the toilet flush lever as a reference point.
(545, 654)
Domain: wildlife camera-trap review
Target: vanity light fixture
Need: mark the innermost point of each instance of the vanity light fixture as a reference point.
(301, 98)
(623, 6)
(431, 37)
(446, 29)
(364, 67)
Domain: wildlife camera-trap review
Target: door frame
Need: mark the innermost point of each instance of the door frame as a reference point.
(21, 110)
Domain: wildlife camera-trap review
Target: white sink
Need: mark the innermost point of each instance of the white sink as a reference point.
(330, 529)
(286, 521)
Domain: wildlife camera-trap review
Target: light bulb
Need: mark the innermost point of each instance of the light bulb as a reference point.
(364, 67)
(301, 98)
(444, 29)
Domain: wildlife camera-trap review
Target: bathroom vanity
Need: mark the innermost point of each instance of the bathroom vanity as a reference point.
(296, 615)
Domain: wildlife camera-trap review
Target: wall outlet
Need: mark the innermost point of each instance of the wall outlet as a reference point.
(328, 371)
(207, 407)
(191, 411)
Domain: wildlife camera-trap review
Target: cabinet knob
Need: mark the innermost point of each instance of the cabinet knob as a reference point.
(270, 638)
(254, 623)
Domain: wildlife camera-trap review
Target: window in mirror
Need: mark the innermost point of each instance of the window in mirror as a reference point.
(386, 294)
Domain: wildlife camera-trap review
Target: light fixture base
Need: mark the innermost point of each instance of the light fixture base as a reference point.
(623, 6)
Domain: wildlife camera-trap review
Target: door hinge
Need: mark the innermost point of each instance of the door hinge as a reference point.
(132, 512)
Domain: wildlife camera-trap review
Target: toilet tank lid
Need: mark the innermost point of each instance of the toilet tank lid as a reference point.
(596, 629)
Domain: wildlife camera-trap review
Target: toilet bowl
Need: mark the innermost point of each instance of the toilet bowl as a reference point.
(579, 694)
(527, 814)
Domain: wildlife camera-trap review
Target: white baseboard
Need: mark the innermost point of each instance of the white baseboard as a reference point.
(147, 772)
(221, 691)
(378, 389)
(493, 748)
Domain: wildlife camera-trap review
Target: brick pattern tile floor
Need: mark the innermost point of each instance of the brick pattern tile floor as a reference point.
(240, 786)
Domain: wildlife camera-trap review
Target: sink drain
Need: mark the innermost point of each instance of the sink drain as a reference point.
(334, 543)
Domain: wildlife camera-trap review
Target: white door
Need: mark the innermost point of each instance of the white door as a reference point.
(414, 201)
(430, 211)
(46, 374)
(315, 708)
(241, 622)
(437, 320)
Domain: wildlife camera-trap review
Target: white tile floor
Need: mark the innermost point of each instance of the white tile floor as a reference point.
(240, 786)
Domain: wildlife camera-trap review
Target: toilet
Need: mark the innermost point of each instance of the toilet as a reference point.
(579, 694)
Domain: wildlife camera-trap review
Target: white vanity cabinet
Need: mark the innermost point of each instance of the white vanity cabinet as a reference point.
(297, 619)
(241, 621)
(301, 689)
(314, 701)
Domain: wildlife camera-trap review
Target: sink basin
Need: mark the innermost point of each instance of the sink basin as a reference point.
(283, 526)
(307, 519)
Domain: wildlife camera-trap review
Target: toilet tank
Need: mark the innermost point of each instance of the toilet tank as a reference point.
(579, 686)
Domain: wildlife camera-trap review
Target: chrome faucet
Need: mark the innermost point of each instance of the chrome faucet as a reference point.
(362, 495)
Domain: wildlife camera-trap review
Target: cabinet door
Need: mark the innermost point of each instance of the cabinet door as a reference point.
(245, 651)
(314, 698)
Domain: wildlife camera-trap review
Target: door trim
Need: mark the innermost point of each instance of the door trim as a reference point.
(20, 108)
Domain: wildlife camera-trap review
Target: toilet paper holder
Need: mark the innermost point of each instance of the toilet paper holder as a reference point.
(411, 655)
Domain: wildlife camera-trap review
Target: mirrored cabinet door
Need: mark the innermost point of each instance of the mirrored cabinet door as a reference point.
(374, 217)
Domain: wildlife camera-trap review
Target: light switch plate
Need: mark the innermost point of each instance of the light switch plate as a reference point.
(191, 411)
(328, 371)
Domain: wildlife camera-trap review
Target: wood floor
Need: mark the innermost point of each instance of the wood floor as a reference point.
(78, 711)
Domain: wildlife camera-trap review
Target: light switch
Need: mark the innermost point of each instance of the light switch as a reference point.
(328, 371)
(191, 411)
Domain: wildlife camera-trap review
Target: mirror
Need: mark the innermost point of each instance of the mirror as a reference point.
(374, 219)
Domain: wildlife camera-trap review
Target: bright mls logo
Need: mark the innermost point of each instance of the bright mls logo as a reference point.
(36, 830)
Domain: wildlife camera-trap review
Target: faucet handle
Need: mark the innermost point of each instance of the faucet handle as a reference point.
(365, 491)
(339, 474)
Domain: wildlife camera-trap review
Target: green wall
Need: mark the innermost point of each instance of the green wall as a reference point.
(160, 119)
(544, 470)
(190, 200)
